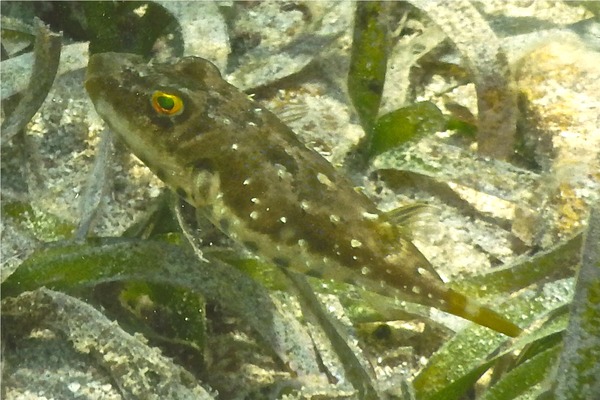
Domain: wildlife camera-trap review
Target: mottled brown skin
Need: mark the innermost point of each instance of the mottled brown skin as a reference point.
(247, 172)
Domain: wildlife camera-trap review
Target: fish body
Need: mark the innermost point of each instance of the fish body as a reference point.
(248, 173)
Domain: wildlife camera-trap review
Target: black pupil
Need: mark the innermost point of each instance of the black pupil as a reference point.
(166, 102)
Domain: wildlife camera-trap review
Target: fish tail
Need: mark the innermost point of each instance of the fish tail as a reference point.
(459, 305)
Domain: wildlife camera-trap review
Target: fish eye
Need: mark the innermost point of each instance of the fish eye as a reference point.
(166, 103)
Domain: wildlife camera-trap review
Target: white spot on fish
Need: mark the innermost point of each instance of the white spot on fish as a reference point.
(355, 243)
(141, 11)
(304, 205)
(255, 200)
(234, 146)
(370, 216)
(282, 172)
(393, 259)
(226, 121)
(324, 180)
(254, 215)
(365, 271)
(302, 243)
(387, 225)
(283, 219)
(251, 124)
(246, 182)
(416, 290)
(421, 271)
(471, 308)
(334, 218)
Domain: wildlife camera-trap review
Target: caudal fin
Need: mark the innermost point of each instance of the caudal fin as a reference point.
(459, 305)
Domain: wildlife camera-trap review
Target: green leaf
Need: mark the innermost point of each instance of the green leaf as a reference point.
(75, 266)
(555, 263)
(456, 367)
(524, 377)
(175, 315)
(405, 124)
(40, 224)
(268, 275)
(116, 26)
(463, 127)
(368, 61)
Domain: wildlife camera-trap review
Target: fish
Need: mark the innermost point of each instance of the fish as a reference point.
(248, 173)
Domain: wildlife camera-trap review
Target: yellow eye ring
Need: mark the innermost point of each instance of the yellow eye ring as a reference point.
(167, 104)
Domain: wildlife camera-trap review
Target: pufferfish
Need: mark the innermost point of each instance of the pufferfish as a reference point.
(250, 176)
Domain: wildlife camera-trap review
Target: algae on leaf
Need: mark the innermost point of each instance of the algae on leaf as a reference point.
(579, 367)
(203, 30)
(36, 223)
(558, 262)
(76, 266)
(479, 45)
(97, 185)
(358, 371)
(47, 55)
(463, 359)
(525, 377)
(128, 26)
(138, 370)
(272, 41)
